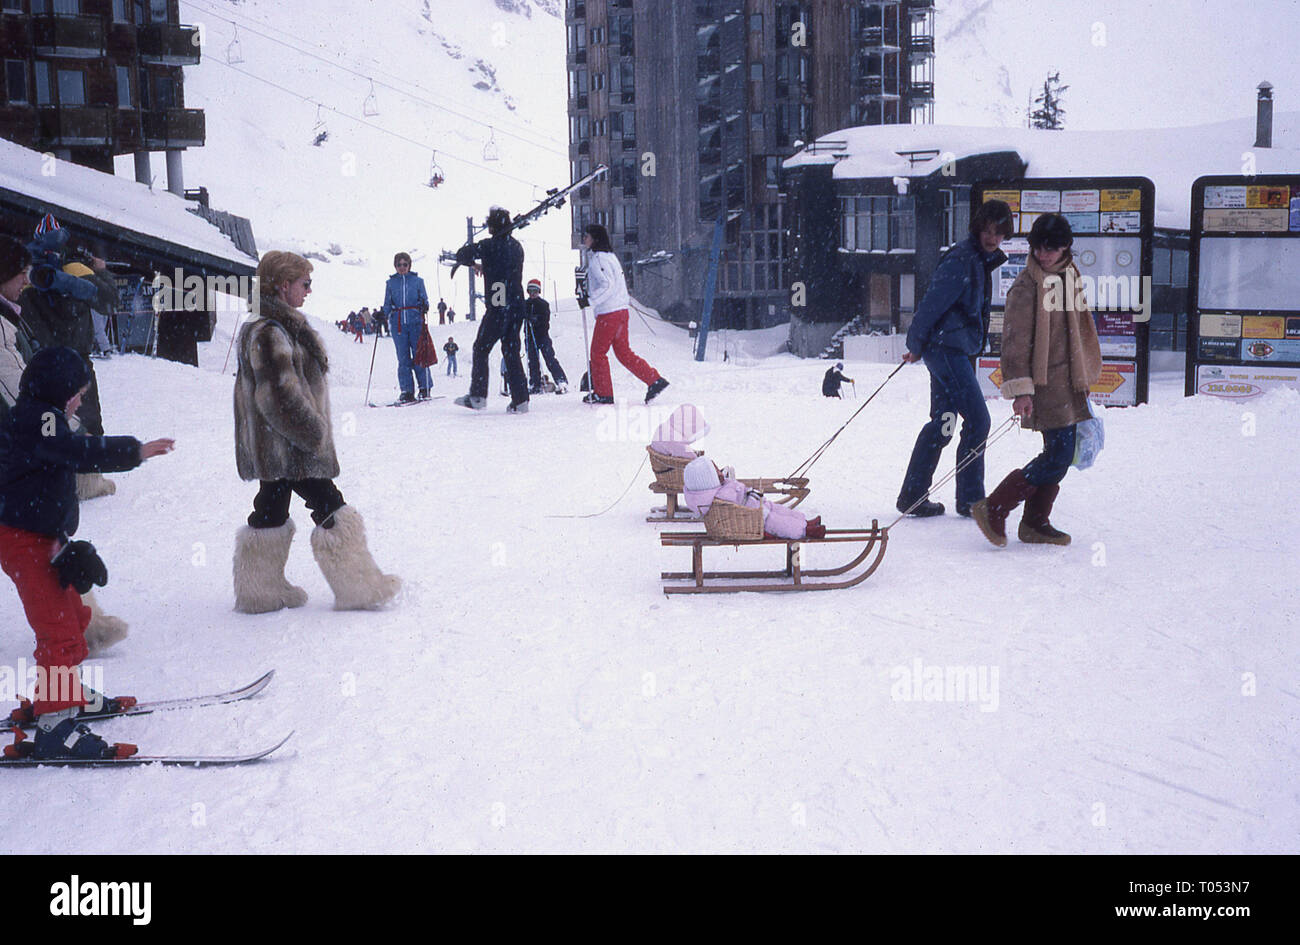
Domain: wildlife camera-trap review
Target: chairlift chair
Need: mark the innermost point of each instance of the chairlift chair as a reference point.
(234, 54)
(319, 132)
(436, 177)
(370, 107)
(490, 152)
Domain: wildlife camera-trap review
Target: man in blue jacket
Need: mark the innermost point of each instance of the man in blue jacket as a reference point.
(947, 332)
(405, 302)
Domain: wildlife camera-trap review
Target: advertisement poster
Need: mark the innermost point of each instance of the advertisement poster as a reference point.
(1117, 386)
(1121, 200)
(1129, 221)
(1219, 198)
(1295, 214)
(1040, 201)
(1083, 222)
(1219, 349)
(1080, 201)
(1277, 349)
(1271, 198)
(1010, 197)
(1220, 326)
(1263, 326)
(1242, 383)
(1246, 221)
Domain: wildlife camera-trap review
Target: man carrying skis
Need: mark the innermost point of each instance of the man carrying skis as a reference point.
(500, 260)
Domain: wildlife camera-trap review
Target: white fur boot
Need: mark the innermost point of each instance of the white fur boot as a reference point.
(102, 631)
(93, 485)
(344, 559)
(260, 556)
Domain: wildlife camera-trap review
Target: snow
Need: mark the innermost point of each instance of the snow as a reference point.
(1173, 158)
(533, 689)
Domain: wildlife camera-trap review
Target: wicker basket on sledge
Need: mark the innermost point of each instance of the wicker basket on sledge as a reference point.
(727, 521)
(668, 470)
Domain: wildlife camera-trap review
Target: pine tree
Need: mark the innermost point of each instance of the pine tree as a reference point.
(1050, 113)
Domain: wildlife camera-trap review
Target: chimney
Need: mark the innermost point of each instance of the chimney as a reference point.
(1264, 116)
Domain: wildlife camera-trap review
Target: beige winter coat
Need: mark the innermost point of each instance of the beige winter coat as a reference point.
(282, 408)
(1049, 345)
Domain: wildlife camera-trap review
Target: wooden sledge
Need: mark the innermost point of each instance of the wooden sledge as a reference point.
(668, 482)
(727, 524)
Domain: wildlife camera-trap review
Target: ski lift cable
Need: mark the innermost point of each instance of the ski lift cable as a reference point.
(369, 124)
(549, 144)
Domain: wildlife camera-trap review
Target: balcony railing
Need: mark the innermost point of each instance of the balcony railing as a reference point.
(69, 37)
(920, 44)
(174, 128)
(165, 44)
(72, 126)
(922, 90)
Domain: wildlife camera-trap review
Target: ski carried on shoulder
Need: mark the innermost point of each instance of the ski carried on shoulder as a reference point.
(194, 761)
(22, 716)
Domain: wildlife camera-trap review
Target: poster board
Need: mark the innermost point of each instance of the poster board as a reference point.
(1113, 220)
(1243, 325)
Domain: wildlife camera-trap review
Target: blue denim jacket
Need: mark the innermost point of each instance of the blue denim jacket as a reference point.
(955, 310)
(404, 296)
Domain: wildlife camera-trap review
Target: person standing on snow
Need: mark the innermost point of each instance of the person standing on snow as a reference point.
(16, 345)
(39, 457)
(609, 299)
(833, 379)
(450, 349)
(500, 260)
(537, 335)
(947, 332)
(442, 312)
(283, 438)
(1050, 358)
(405, 303)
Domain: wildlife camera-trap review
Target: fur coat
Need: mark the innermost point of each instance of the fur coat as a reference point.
(282, 407)
(1050, 349)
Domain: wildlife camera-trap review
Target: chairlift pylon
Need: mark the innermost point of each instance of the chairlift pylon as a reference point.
(234, 54)
(490, 152)
(436, 177)
(370, 107)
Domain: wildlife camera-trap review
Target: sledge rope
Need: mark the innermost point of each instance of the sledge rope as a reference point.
(807, 464)
(622, 495)
(1006, 427)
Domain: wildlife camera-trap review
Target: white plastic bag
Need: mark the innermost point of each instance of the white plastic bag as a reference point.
(1089, 438)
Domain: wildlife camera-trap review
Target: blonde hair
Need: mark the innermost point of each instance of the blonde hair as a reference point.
(278, 268)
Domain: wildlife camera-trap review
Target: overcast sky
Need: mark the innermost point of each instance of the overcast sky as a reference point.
(1129, 63)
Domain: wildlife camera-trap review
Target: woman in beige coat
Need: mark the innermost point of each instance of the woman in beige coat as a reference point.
(1050, 357)
(283, 438)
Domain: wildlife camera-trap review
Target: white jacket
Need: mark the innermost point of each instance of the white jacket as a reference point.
(606, 286)
(11, 362)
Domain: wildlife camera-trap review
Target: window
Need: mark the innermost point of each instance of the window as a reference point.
(597, 81)
(142, 84)
(877, 224)
(956, 214)
(12, 6)
(756, 72)
(123, 87)
(597, 35)
(15, 80)
(164, 88)
(65, 7)
(72, 87)
(121, 11)
(43, 93)
(756, 23)
(755, 121)
(157, 11)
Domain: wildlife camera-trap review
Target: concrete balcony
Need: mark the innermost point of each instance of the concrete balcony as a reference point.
(68, 37)
(172, 128)
(165, 44)
(74, 126)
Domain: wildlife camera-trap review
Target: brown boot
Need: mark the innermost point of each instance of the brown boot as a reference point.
(1035, 529)
(991, 513)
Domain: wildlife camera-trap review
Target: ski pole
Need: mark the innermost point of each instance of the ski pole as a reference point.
(373, 352)
(808, 463)
(1003, 429)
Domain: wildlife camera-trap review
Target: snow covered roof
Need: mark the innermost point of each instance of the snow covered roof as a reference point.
(1171, 157)
(154, 216)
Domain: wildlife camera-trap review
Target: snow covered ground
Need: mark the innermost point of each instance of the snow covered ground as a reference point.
(533, 689)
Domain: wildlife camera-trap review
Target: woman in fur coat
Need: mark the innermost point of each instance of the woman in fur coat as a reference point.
(283, 438)
(1050, 358)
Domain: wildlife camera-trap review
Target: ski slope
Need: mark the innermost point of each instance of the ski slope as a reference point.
(533, 689)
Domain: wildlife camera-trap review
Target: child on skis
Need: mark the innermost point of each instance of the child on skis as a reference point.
(39, 459)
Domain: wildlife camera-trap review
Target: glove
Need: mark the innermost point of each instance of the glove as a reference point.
(79, 565)
(584, 301)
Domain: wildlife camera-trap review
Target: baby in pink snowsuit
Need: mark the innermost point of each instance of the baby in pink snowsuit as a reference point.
(704, 483)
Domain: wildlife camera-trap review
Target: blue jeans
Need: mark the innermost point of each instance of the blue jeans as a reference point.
(1050, 466)
(407, 339)
(451, 365)
(954, 392)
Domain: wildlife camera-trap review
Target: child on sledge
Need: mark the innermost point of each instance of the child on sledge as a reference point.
(705, 482)
(39, 459)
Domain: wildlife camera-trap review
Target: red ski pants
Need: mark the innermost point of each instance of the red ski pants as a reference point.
(56, 613)
(611, 330)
